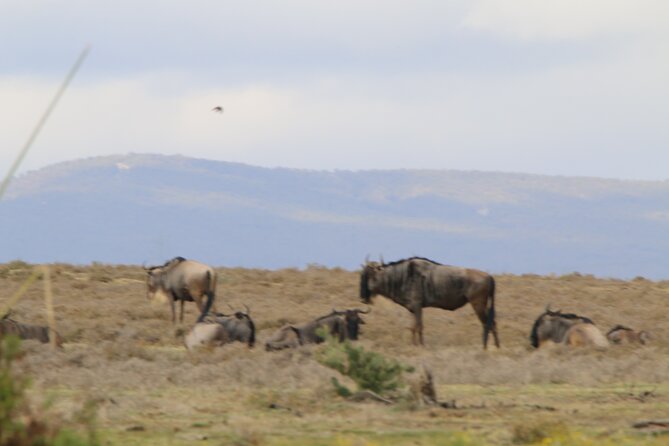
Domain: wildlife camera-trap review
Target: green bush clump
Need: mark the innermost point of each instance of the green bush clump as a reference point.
(21, 425)
(369, 370)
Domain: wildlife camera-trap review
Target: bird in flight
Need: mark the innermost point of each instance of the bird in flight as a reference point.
(217, 109)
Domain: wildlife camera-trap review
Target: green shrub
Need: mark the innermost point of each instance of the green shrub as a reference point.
(20, 425)
(370, 370)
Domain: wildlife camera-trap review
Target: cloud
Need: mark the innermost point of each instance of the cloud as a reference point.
(567, 19)
(551, 87)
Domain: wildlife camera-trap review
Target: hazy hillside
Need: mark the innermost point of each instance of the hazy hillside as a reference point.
(147, 208)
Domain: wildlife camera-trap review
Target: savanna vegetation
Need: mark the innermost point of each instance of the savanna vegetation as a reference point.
(123, 356)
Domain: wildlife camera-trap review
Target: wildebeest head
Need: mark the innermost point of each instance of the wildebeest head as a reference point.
(352, 321)
(621, 334)
(155, 275)
(153, 281)
(369, 279)
(245, 317)
(553, 324)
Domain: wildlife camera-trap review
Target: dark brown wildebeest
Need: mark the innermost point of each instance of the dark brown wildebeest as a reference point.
(625, 335)
(342, 325)
(223, 329)
(183, 280)
(418, 283)
(565, 328)
(24, 331)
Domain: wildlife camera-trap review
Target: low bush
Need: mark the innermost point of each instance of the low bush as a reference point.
(369, 370)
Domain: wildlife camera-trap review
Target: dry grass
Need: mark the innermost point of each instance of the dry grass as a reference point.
(123, 351)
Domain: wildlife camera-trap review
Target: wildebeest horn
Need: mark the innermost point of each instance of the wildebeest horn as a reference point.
(248, 312)
(366, 259)
(363, 311)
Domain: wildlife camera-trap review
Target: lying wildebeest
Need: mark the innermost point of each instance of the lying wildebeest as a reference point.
(24, 331)
(183, 280)
(223, 329)
(565, 328)
(625, 335)
(417, 283)
(342, 325)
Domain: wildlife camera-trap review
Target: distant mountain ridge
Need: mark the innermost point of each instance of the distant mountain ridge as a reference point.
(147, 208)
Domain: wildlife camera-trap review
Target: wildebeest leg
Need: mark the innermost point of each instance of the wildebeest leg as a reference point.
(494, 334)
(174, 313)
(479, 306)
(418, 326)
(181, 316)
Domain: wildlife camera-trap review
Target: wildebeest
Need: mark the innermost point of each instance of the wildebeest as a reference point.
(223, 329)
(625, 335)
(342, 325)
(565, 328)
(417, 283)
(185, 281)
(24, 331)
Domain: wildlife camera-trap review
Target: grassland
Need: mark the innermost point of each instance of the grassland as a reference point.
(123, 353)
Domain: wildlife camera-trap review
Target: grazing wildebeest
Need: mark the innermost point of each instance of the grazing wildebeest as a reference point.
(223, 329)
(24, 331)
(342, 325)
(417, 283)
(565, 328)
(183, 280)
(625, 335)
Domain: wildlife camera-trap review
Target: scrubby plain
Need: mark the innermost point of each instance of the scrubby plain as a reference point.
(123, 352)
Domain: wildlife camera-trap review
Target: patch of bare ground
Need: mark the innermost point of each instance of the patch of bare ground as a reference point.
(122, 351)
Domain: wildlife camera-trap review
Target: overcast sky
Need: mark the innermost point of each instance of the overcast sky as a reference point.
(567, 87)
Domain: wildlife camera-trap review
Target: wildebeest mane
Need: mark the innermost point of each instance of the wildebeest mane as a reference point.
(573, 316)
(410, 259)
(175, 261)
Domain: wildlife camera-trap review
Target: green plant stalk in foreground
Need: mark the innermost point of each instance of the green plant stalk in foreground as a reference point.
(20, 425)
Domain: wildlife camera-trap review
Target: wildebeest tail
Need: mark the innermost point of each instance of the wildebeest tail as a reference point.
(210, 297)
(490, 319)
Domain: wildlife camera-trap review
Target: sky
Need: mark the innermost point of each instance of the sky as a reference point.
(557, 87)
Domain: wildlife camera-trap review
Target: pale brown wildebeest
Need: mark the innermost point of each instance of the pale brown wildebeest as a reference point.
(222, 329)
(565, 328)
(24, 331)
(417, 283)
(185, 281)
(342, 325)
(625, 335)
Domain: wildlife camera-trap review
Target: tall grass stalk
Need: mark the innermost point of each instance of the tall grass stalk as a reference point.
(52, 105)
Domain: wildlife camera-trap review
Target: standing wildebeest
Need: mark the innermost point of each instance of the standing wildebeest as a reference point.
(24, 331)
(417, 283)
(223, 329)
(342, 325)
(183, 280)
(565, 328)
(625, 335)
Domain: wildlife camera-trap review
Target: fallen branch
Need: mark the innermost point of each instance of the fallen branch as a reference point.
(369, 395)
(650, 423)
